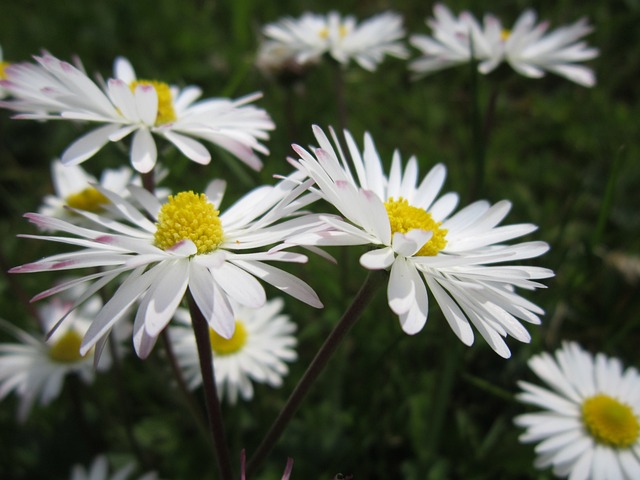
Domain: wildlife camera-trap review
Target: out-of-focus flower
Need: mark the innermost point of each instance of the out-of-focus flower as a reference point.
(589, 426)
(423, 245)
(35, 369)
(261, 344)
(277, 59)
(187, 243)
(3, 75)
(99, 470)
(54, 89)
(312, 36)
(527, 47)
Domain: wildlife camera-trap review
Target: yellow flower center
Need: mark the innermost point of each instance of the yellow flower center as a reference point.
(403, 218)
(166, 113)
(67, 348)
(505, 34)
(3, 65)
(324, 32)
(89, 199)
(189, 216)
(223, 346)
(610, 421)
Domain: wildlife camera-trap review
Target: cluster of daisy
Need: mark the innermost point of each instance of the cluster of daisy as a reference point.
(156, 250)
(292, 45)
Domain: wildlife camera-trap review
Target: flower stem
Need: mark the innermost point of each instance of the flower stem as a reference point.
(368, 290)
(214, 412)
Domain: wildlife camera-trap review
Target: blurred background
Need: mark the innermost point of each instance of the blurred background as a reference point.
(388, 405)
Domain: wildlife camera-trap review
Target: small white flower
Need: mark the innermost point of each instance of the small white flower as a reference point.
(54, 89)
(35, 368)
(526, 47)
(99, 470)
(312, 36)
(187, 244)
(590, 423)
(531, 51)
(73, 188)
(261, 344)
(417, 238)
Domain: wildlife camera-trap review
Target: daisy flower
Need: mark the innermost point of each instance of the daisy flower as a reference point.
(35, 368)
(590, 423)
(531, 51)
(183, 243)
(54, 89)
(99, 470)
(455, 41)
(262, 342)
(414, 235)
(72, 187)
(313, 35)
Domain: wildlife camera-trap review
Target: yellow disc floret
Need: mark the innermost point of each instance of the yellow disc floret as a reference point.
(3, 74)
(610, 421)
(66, 349)
(89, 199)
(403, 218)
(189, 216)
(223, 346)
(166, 113)
(505, 34)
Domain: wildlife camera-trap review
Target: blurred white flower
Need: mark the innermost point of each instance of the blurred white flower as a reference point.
(589, 426)
(35, 368)
(53, 89)
(415, 235)
(313, 35)
(99, 470)
(527, 47)
(261, 344)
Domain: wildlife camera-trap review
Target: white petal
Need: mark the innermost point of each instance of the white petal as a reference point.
(143, 151)
(378, 259)
(87, 145)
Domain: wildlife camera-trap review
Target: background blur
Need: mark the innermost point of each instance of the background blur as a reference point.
(388, 405)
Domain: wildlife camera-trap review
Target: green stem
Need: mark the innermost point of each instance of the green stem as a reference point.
(368, 290)
(214, 411)
(477, 134)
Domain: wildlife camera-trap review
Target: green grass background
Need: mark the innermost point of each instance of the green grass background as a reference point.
(388, 405)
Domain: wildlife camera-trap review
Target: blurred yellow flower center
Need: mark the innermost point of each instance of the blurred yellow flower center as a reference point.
(189, 216)
(505, 34)
(610, 421)
(67, 348)
(166, 113)
(224, 346)
(89, 199)
(324, 32)
(403, 218)
(3, 74)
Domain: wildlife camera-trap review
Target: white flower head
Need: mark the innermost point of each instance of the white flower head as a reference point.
(54, 89)
(415, 235)
(531, 51)
(527, 47)
(35, 368)
(187, 243)
(99, 470)
(589, 426)
(261, 345)
(313, 35)
(73, 188)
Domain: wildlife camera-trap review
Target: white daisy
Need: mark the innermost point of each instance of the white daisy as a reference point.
(531, 51)
(99, 470)
(420, 242)
(279, 59)
(312, 36)
(590, 423)
(187, 244)
(455, 41)
(72, 188)
(261, 344)
(54, 89)
(35, 368)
